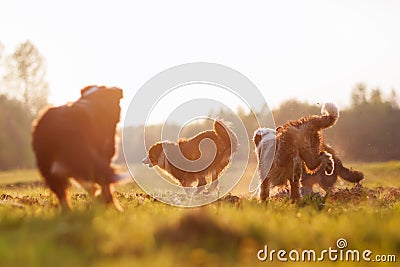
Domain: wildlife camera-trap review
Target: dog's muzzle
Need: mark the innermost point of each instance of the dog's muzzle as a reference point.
(146, 161)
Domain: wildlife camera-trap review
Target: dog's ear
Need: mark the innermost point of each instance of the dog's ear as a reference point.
(158, 148)
(155, 152)
(112, 92)
(257, 139)
(220, 130)
(116, 92)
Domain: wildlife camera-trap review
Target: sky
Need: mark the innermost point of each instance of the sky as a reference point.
(315, 51)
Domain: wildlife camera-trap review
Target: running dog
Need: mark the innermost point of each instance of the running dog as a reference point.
(77, 140)
(188, 162)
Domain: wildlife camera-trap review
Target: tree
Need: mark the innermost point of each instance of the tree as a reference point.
(359, 94)
(376, 96)
(25, 77)
(294, 109)
(15, 135)
(393, 98)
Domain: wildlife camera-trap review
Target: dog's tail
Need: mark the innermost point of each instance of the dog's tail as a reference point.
(349, 175)
(329, 115)
(328, 118)
(223, 130)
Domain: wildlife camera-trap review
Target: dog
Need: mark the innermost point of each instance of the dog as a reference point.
(189, 161)
(326, 182)
(299, 145)
(77, 140)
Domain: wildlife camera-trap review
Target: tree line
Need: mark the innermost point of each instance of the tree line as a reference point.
(368, 130)
(23, 92)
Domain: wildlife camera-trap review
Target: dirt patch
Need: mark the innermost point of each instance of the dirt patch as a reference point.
(360, 193)
(21, 201)
(235, 200)
(354, 195)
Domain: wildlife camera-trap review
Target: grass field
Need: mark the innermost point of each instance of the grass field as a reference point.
(230, 232)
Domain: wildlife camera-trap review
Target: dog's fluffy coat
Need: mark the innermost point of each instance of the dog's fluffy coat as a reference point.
(299, 145)
(166, 154)
(327, 182)
(77, 141)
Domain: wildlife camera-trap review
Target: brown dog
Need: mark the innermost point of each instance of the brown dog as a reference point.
(327, 181)
(197, 162)
(298, 144)
(77, 141)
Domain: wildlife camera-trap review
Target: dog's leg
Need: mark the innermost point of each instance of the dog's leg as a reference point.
(295, 181)
(186, 182)
(107, 193)
(264, 192)
(327, 182)
(200, 185)
(213, 186)
(307, 181)
(214, 182)
(59, 185)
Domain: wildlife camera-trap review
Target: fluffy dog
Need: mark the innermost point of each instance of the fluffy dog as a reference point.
(298, 144)
(327, 181)
(77, 141)
(189, 161)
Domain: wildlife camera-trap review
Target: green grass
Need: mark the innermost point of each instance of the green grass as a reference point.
(19, 176)
(380, 174)
(33, 232)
